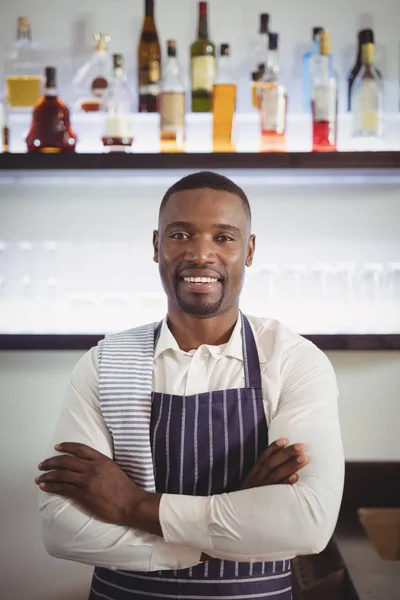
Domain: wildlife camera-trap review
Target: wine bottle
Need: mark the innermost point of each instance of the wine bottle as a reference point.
(223, 102)
(149, 60)
(172, 103)
(365, 36)
(203, 64)
(51, 131)
(367, 97)
(324, 99)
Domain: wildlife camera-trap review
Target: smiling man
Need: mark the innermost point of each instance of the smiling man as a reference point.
(196, 456)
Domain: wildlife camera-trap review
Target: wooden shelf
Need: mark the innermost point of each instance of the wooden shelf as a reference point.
(352, 342)
(296, 160)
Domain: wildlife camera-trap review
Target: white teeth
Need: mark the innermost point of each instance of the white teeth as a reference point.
(200, 280)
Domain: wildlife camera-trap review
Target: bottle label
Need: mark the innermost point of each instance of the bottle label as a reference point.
(325, 102)
(367, 107)
(203, 73)
(150, 74)
(99, 86)
(172, 110)
(119, 126)
(153, 89)
(273, 107)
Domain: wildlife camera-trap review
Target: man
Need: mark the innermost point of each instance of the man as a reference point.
(181, 442)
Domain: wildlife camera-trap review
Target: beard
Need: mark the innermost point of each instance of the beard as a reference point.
(199, 308)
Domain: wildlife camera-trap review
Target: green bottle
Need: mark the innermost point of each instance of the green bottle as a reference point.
(203, 65)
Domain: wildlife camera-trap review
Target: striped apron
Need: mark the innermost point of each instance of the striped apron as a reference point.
(231, 425)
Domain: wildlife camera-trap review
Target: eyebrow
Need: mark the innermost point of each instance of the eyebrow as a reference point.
(216, 226)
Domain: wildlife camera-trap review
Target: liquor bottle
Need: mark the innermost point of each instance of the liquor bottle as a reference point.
(172, 103)
(365, 36)
(308, 68)
(203, 64)
(4, 130)
(23, 69)
(117, 104)
(256, 77)
(324, 99)
(263, 40)
(149, 60)
(223, 102)
(272, 94)
(91, 80)
(367, 97)
(51, 131)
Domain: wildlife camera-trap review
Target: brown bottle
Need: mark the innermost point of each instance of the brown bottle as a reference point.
(51, 130)
(149, 59)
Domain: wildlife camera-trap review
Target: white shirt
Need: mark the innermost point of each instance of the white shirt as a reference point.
(263, 524)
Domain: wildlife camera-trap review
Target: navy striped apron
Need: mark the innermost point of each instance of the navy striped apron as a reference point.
(231, 425)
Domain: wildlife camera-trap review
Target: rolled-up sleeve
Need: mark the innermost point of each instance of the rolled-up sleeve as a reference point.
(280, 521)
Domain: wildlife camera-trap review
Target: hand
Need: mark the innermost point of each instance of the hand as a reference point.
(278, 464)
(94, 481)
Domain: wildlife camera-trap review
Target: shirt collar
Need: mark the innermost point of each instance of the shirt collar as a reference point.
(233, 348)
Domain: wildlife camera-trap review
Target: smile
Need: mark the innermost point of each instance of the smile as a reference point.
(200, 280)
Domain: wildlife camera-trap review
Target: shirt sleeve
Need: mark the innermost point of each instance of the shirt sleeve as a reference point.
(276, 522)
(70, 533)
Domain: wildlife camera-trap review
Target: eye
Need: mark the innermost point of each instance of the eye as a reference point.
(224, 238)
(179, 236)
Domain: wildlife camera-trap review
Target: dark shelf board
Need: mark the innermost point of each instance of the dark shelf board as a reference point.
(354, 342)
(280, 160)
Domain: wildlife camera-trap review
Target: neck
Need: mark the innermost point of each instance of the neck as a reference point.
(191, 332)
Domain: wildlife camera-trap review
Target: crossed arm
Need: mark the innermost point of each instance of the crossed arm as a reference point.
(171, 532)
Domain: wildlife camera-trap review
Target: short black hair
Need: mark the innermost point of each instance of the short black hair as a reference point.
(207, 179)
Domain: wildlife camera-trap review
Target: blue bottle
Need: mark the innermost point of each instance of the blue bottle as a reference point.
(307, 68)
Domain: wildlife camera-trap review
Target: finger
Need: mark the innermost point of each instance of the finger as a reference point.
(284, 472)
(61, 476)
(71, 463)
(79, 450)
(62, 489)
(273, 449)
(283, 455)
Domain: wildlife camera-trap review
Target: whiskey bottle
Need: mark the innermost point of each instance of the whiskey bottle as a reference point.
(172, 103)
(149, 61)
(51, 131)
(324, 99)
(272, 94)
(308, 67)
(92, 79)
(223, 102)
(23, 69)
(203, 64)
(117, 104)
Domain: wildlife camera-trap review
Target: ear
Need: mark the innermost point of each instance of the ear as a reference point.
(155, 245)
(251, 247)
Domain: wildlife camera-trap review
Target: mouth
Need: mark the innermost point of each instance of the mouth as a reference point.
(200, 285)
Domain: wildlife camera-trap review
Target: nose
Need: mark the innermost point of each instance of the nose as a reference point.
(200, 251)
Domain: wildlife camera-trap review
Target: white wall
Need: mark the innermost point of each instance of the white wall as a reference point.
(66, 29)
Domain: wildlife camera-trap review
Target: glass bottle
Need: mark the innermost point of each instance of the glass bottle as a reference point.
(51, 131)
(149, 62)
(272, 95)
(367, 97)
(172, 103)
(117, 104)
(365, 36)
(23, 69)
(203, 64)
(308, 67)
(263, 40)
(92, 79)
(324, 99)
(223, 102)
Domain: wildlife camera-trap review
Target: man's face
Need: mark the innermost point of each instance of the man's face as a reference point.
(202, 247)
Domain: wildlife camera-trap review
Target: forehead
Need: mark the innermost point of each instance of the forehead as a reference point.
(204, 207)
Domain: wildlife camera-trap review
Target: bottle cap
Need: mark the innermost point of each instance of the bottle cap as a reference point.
(50, 74)
(101, 41)
(264, 23)
(171, 48)
(325, 42)
(366, 36)
(225, 50)
(203, 8)
(368, 52)
(316, 32)
(118, 61)
(273, 41)
(23, 23)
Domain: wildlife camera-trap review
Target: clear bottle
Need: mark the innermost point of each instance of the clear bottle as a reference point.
(92, 79)
(308, 67)
(262, 43)
(149, 62)
(23, 69)
(117, 103)
(272, 94)
(365, 36)
(224, 102)
(324, 99)
(51, 130)
(367, 97)
(172, 103)
(203, 64)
